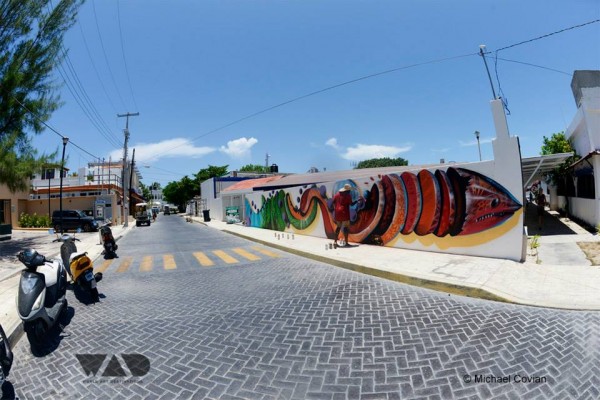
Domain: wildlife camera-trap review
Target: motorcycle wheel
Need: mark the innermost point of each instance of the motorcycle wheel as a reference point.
(95, 295)
(35, 331)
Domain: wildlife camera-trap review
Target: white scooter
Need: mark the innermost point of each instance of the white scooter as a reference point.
(41, 298)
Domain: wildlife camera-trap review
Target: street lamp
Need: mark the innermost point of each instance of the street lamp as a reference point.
(478, 145)
(65, 140)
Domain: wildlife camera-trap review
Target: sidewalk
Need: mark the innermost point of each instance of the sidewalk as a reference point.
(556, 283)
(10, 267)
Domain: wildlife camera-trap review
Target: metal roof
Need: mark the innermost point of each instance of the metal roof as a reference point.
(534, 168)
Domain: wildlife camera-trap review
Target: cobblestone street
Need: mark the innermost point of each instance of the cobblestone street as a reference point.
(293, 328)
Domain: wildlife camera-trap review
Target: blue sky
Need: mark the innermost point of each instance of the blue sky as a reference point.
(193, 68)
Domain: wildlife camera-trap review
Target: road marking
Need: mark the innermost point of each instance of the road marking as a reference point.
(225, 257)
(104, 266)
(125, 264)
(203, 259)
(146, 265)
(244, 253)
(169, 261)
(266, 252)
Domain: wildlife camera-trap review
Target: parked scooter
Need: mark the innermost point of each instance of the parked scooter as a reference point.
(108, 241)
(81, 270)
(80, 266)
(41, 298)
(6, 359)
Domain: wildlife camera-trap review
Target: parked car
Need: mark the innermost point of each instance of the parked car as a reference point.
(73, 220)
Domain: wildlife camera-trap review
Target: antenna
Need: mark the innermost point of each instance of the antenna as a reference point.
(482, 54)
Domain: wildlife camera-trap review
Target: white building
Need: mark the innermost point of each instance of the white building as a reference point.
(580, 193)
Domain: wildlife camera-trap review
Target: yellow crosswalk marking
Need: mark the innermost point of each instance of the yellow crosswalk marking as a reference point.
(266, 252)
(203, 259)
(146, 265)
(244, 253)
(169, 261)
(104, 266)
(225, 257)
(125, 264)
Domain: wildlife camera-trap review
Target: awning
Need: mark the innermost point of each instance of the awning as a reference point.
(534, 168)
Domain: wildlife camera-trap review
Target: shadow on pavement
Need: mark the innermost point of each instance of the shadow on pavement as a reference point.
(54, 336)
(551, 225)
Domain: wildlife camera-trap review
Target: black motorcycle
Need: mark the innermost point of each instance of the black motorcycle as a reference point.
(108, 241)
(6, 360)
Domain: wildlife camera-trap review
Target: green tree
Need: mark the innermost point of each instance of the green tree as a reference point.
(210, 172)
(556, 144)
(260, 169)
(31, 36)
(382, 162)
(146, 194)
(179, 193)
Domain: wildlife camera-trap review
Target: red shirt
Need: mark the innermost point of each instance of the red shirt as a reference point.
(341, 206)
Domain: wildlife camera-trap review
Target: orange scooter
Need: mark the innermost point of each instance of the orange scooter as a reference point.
(81, 270)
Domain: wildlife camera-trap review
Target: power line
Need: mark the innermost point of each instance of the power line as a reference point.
(536, 66)
(105, 57)
(80, 101)
(549, 34)
(123, 52)
(89, 108)
(95, 69)
(51, 128)
(321, 91)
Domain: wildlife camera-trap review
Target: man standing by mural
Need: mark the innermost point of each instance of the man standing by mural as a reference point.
(341, 213)
(541, 203)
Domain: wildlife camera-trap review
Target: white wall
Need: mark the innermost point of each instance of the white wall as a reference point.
(502, 240)
(585, 209)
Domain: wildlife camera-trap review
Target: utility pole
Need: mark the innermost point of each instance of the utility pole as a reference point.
(482, 54)
(123, 176)
(267, 162)
(131, 176)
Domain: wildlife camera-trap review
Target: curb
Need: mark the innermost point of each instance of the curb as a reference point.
(460, 290)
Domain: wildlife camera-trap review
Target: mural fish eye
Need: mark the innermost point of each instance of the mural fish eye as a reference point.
(451, 202)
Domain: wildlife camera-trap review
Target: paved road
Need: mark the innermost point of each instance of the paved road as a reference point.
(270, 325)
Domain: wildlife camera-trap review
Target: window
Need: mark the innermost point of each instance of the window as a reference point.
(48, 173)
(2, 211)
(585, 187)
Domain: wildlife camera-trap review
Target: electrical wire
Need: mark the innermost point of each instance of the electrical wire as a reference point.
(504, 101)
(95, 69)
(548, 34)
(536, 66)
(321, 91)
(500, 92)
(89, 108)
(123, 52)
(52, 129)
(105, 57)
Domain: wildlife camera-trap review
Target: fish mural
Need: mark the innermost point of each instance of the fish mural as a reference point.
(453, 202)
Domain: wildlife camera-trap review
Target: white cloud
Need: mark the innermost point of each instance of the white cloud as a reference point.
(333, 143)
(474, 142)
(367, 151)
(239, 148)
(178, 147)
